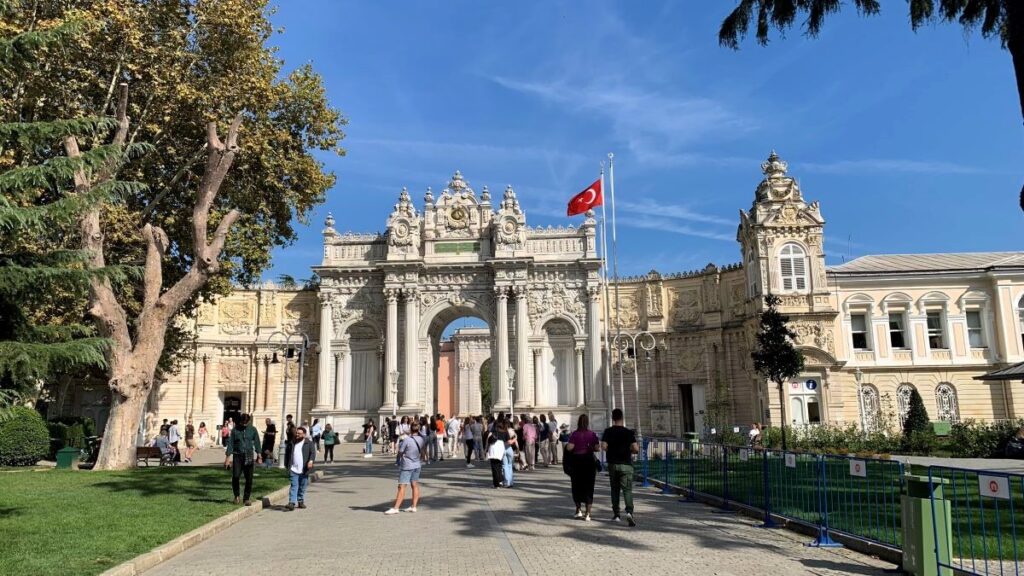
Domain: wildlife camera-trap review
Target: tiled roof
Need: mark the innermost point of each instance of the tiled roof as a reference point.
(892, 263)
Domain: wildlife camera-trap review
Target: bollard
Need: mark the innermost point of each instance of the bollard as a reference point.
(643, 451)
(824, 540)
(765, 471)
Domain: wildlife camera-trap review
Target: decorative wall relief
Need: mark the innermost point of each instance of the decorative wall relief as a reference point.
(628, 315)
(207, 315)
(233, 371)
(686, 307)
(268, 308)
(687, 354)
(556, 300)
(815, 334)
(236, 317)
(299, 316)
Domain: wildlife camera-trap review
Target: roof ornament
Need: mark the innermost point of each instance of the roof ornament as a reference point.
(329, 224)
(774, 167)
(485, 195)
(428, 198)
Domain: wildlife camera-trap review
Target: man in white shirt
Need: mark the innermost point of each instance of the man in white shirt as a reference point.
(173, 435)
(300, 462)
(454, 426)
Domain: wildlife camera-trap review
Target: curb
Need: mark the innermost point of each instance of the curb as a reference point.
(165, 552)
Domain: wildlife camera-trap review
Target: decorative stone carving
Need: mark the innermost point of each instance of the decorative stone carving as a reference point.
(404, 227)
(235, 317)
(688, 354)
(268, 308)
(652, 295)
(777, 186)
(686, 307)
(207, 315)
(233, 371)
(628, 316)
(346, 309)
(298, 316)
(738, 300)
(815, 334)
(456, 213)
(510, 225)
(555, 300)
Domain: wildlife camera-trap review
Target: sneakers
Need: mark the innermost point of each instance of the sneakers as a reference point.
(616, 518)
(410, 509)
(302, 504)
(238, 500)
(578, 515)
(290, 506)
(470, 465)
(586, 518)
(630, 520)
(368, 455)
(248, 502)
(391, 511)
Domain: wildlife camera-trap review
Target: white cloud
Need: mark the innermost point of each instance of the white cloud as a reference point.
(647, 206)
(668, 225)
(889, 165)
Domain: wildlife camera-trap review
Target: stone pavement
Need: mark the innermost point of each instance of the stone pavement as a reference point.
(464, 527)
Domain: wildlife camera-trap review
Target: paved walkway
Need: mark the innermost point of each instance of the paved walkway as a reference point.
(464, 527)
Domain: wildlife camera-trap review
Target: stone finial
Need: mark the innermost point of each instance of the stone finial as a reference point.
(428, 198)
(485, 195)
(329, 224)
(774, 167)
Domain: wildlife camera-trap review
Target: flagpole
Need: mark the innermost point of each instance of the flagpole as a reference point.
(610, 400)
(615, 274)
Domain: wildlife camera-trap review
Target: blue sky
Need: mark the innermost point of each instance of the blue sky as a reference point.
(912, 142)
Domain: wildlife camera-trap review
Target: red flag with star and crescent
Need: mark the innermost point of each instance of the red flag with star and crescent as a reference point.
(586, 200)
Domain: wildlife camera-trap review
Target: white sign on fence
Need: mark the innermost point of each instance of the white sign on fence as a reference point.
(744, 455)
(858, 468)
(790, 460)
(735, 429)
(707, 450)
(994, 486)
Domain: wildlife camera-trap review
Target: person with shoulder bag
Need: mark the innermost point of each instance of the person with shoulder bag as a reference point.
(582, 447)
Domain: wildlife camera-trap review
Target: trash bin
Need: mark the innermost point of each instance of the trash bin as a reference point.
(66, 456)
(920, 534)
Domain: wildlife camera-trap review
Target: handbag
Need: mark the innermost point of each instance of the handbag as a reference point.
(598, 465)
(566, 461)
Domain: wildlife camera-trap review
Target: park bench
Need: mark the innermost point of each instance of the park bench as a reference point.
(144, 453)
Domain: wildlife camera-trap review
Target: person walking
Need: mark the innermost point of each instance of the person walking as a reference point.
(301, 455)
(173, 436)
(452, 431)
(508, 439)
(269, 439)
(330, 438)
(369, 429)
(530, 438)
(190, 440)
(317, 430)
(495, 455)
(479, 439)
(553, 443)
(619, 444)
(224, 433)
(540, 452)
(439, 435)
(392, 431)
(411, 453)
(204, 436)
(469, 440)
(755, 436)
(582, 445)
(241, 454)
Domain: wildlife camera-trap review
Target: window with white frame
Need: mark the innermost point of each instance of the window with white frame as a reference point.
(903, 393)
(936, 334)
(859, 331)
(975, 330)
(946, 403)
(793, 268)
(897, 330)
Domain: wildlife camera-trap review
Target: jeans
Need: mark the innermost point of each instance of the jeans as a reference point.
(297, 493)
(238, 469)
(431, 446)
(328, 452)
(621, 478)
(469, 450)
(506, 465)
(368, 449)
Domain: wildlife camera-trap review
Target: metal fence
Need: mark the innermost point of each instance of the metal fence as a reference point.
(854, 496)
(982, 510)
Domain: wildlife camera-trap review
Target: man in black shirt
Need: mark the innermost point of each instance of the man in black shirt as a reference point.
(619, 444)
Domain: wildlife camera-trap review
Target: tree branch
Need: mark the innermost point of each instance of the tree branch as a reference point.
(156, 247)
(218, 162)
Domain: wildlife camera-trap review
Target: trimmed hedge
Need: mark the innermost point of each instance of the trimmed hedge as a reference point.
(24, 439)
(972, 439)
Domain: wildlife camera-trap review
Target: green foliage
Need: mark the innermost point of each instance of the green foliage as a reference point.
(973, 439)
(24, 439)
(917, 415)
(728, 437)
(832, 439)
(775, 357)
(8, 399)
(69, 431)
(920, 442)
(486, 393)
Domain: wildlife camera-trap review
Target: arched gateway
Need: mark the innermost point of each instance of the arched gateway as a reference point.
(385, 298)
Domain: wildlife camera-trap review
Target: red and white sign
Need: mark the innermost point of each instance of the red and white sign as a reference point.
(790, 460)
(744, 455)
(858, 468)
(994, 486)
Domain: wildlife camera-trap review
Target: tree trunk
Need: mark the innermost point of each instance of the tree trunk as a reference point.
(782, 414)
(117, 450)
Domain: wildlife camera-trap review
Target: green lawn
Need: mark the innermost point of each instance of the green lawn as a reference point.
(77, 522)
(982, 528)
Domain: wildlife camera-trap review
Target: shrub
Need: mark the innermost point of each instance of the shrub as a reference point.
(24, 439)
(917, 415)
(920, 442)
(971, 439)
(63, 434)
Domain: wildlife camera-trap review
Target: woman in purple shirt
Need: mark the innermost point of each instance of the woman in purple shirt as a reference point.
(581, 447)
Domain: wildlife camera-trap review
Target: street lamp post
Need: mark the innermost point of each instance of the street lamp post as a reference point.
(628, 343)
(284, 390)
(393, 392)
(510, 375)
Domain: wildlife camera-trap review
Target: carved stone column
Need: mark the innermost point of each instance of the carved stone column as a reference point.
(593, 346)
(391, 346)
(526, 392)
(323, 384)
(579, 376)
(501, 330)
(410, 376)
(540, 388)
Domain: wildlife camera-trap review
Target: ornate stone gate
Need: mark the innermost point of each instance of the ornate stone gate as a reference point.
(386, 298)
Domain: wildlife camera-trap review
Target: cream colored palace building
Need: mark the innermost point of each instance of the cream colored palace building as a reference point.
(871, 329)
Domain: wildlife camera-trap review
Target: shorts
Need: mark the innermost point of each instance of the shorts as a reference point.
(409, 476)
(191, 443)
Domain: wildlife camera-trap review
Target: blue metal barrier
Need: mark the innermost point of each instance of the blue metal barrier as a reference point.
(985, 507)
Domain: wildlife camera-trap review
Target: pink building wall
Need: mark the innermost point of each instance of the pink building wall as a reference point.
(446, 379)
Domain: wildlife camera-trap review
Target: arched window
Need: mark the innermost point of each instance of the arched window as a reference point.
(793, 268)
(945, 400)
(1020, 318)
(903, 393)
(871, 406)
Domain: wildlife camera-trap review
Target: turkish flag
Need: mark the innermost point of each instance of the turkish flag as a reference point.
(586, 200)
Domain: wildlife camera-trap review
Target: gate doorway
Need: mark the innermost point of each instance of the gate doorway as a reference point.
(232, 407)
